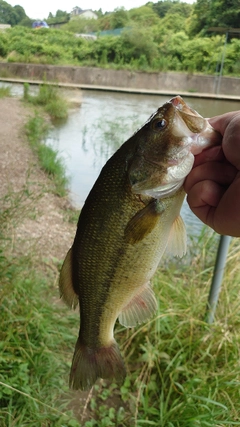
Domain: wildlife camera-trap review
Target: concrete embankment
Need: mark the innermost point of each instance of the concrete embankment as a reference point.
(124, 80)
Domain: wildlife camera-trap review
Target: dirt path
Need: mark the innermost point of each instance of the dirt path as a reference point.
(39, 216)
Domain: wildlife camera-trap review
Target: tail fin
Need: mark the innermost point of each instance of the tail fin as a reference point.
(89, 364)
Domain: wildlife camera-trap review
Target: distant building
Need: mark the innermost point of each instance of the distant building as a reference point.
(86, 14)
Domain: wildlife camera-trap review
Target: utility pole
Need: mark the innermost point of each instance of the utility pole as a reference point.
(217, 278)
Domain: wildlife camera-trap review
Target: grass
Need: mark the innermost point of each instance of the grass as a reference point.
(34, 335)
(5, 91)
(51, 101)
(32, 377)
(37, 130)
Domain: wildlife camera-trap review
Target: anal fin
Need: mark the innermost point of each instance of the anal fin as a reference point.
(140, 308)
(177, 241)
(67, 292)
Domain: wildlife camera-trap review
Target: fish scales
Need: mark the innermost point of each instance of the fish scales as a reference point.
(130, 218)
(96, 266)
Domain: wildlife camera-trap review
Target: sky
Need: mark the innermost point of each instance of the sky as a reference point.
(39, 9)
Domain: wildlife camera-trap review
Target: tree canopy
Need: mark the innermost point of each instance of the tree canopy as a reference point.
(11, 15)
(166, 35)
(200, 15)
(215, 13)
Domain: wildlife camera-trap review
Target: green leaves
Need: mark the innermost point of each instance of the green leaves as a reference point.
(11, 15)
(215, 13)
(164, 36)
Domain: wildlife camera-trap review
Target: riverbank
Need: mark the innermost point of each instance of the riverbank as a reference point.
(41, 222)
(170, 83)
(124, 90)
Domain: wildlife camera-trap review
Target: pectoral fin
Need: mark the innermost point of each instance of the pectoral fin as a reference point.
(65, 282)
(177, 241)
(140, 308)
(143, 222)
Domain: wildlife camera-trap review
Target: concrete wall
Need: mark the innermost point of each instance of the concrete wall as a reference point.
(123, 78)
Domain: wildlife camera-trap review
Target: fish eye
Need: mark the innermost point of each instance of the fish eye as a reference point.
(159, 124)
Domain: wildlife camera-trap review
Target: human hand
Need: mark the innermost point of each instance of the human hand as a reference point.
(213, 185)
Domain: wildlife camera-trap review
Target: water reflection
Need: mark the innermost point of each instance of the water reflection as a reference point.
(110, 135)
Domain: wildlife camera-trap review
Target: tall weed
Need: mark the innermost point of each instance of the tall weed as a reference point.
(5, 91)
(50, 99)
(51, 163)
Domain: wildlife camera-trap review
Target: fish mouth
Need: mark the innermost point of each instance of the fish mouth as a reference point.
(181, 105)
(187, 112)
(193, 120)
(201, 134)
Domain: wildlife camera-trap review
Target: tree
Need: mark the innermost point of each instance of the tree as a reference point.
(181, 8)
(11, 15)
(99, 12)
(225, 13)
(138, 42)
(61, 14)
(119, 18)
(60, 17)
(81, 26)
(200, 16)
(26, 22)
(144, 16)
(173, 21)
(20, 12)
(214, 13)
(162, 7)
(7, 13)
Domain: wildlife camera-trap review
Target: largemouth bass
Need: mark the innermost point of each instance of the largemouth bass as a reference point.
(130, 218)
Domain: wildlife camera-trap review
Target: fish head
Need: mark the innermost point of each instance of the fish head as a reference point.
(166, 147)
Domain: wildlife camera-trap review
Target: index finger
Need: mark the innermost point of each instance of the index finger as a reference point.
(209, 155)
(220, 123)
